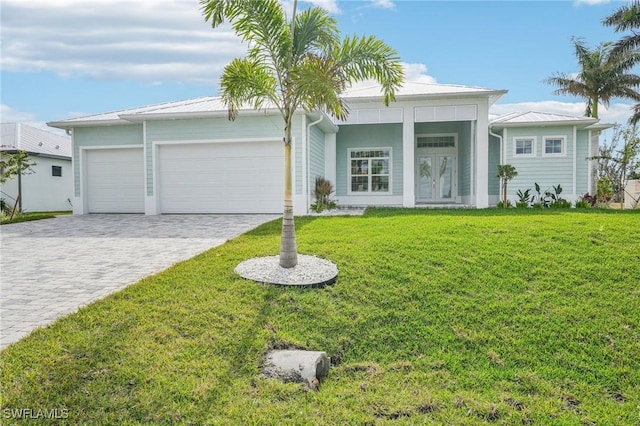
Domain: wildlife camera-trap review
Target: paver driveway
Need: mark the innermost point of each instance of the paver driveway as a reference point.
(51, 267)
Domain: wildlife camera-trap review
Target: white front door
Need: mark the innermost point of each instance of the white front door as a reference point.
(436, 177)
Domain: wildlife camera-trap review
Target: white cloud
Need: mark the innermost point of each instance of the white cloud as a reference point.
(383, 4)
(12, 115)
(616, 113)
(417, 72)
(412, 72)
(330, 6)
(590, 2)
(115, 39)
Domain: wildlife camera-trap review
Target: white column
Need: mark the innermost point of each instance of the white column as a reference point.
(482, 156)
(150, 201)
(575, 162)
(408, 158)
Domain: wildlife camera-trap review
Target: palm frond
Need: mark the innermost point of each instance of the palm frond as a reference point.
(319, 81)
(366, 57)
(217, 11)
(626, 17)
(245, 82)
(315, 30)
(635, 117)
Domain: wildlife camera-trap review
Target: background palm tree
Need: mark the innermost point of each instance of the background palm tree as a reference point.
(603, 76)
(296, 64)
(627, 18)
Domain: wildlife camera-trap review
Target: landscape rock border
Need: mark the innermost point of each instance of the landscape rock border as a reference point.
(311, 271)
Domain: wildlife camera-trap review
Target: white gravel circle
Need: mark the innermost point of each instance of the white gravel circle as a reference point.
(311, 271)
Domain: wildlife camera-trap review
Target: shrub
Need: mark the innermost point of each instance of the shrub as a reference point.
(322, 192)
(524, 198)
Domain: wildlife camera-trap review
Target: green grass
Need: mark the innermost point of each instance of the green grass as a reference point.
(27, 217)
(438, 317)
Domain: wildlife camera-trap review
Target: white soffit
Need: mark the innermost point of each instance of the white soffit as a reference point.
(446, 113)
(374, 115)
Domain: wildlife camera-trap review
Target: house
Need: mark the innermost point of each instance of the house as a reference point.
(431, 147)
(50, 186)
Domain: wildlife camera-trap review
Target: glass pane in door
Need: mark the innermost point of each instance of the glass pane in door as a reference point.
(446, 176)
(425, 181)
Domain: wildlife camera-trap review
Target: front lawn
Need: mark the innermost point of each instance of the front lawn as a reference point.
(27, 217)
(438, 317)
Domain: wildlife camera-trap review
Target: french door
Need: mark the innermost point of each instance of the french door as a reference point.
(436, 177)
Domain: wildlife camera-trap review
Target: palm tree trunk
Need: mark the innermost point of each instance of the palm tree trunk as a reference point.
(288, 250)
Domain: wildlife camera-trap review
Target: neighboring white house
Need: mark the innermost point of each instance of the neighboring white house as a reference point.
(435, 145)
(632, 194)
(50, 187)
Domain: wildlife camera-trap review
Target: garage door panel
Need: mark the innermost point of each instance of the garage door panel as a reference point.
(115, 181)
(221, 178)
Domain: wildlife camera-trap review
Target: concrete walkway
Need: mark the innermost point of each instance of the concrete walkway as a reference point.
(51, 267)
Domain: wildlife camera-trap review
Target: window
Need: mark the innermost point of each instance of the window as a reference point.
(524, 147)
(370, 170)
(437, 141)
(554, 146)
(56, 171)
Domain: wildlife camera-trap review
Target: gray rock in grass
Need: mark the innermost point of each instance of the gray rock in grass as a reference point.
(298, 366)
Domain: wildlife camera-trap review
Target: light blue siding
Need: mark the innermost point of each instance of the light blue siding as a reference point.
(582, 162)
(546, 171)
(102, 136)
(494, 160)
(316, 156)
(369, 136)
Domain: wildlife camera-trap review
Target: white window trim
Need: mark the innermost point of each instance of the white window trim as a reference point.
(564, 146)
(349, 176)
(534, 144)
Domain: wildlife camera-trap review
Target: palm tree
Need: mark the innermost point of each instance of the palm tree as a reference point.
(603, 76)
(301, 64)
(506, 172)
(627, 17)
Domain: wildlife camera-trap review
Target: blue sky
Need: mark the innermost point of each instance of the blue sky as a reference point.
(66, 58)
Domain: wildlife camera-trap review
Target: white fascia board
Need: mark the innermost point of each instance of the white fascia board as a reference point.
(600, 126)
(65, 125)
(577, 123)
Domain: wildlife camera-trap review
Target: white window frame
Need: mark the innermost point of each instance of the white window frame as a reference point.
(563, 140)
(369, 190)
(534, 143)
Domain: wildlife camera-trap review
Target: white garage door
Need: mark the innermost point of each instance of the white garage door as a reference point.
(236, 177)
(115, 180)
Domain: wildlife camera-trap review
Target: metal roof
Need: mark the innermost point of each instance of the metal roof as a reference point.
(532, 118)
(19, 136)
(417, 89)
(211, 106)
